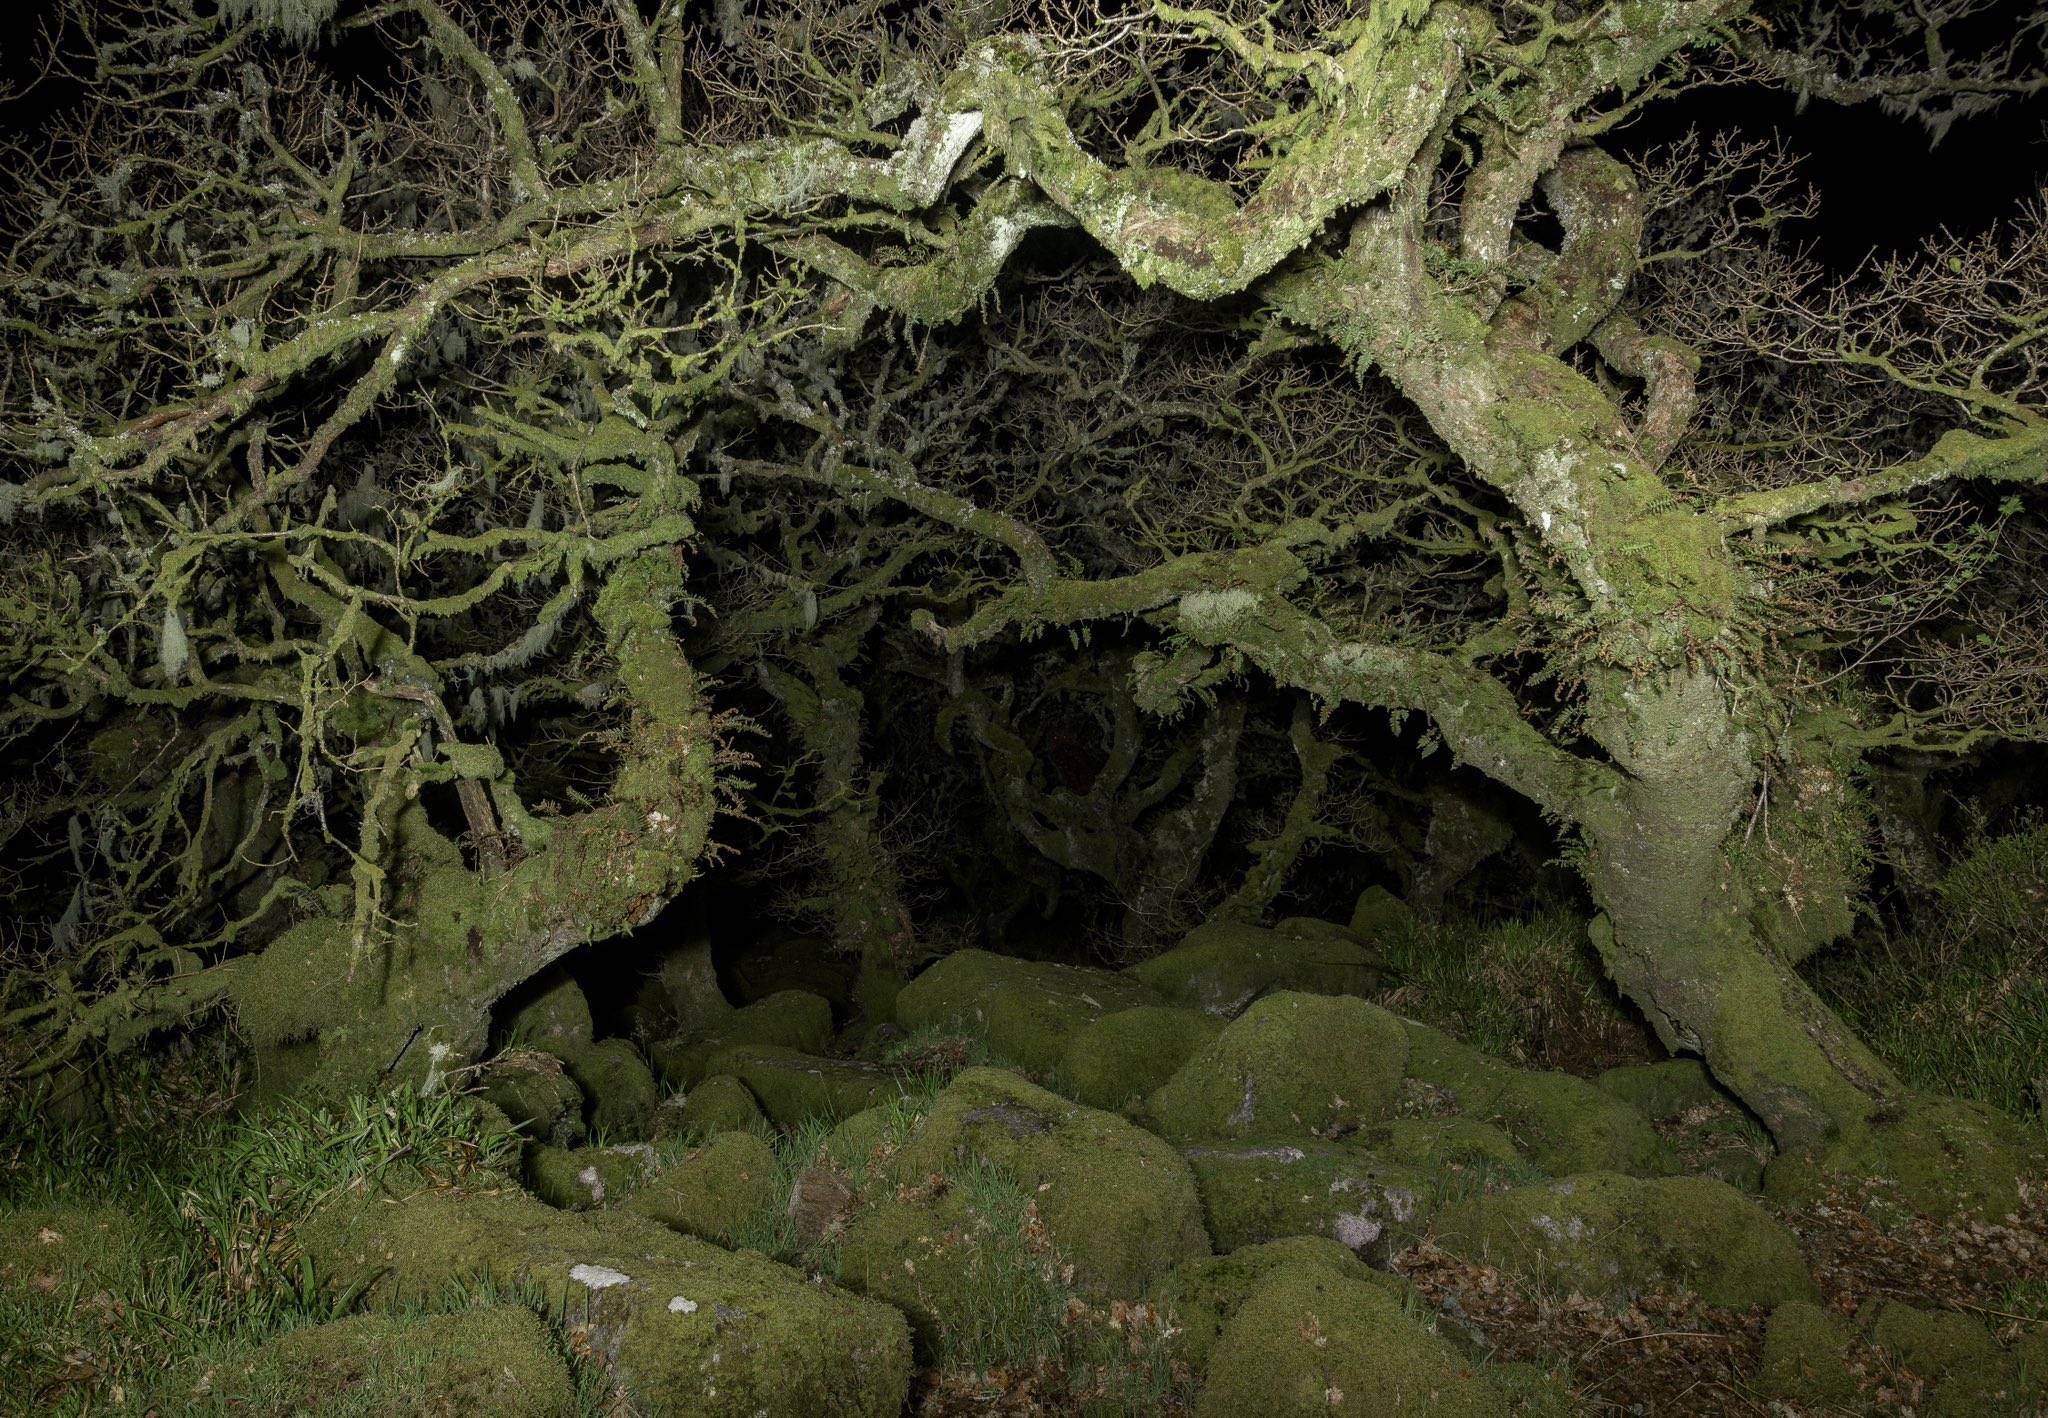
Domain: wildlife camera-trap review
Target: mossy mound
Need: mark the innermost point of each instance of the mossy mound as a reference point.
(1309, 1339)
(1452, 1142)
(1223, 966)
(555, 1016)
(619, 1086)
(1955, 1354)
(537, 1096)
(583, 1178)
(1806, 1356)
(1026, 1009)
(1605, 1235)
(686, 1327)
(721, 1103)
(712, 1191)
(965, 1258)
(1112, 1061)
(794, 1087)
(1562, 1124)
(1710, 1132)
(1201, 1297)
(1329, 1190)
(1662, 1089)
(1942, 1157)
(1120, 1202)
(497, 1360)
(787, 1019)
(55, 1252)
(1293, 1065)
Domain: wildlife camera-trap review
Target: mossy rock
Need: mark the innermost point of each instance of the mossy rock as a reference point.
(584, 1178)
(1605, 1235)
(1452, 1142)
(1119, 1058)
(966, 1264)
(855, 1141)
(793, 962)
(1118, 1201)
(56, 1252)
(1941, 1157)
(537, 1096)
(1293, 1065)
(554, 1016)
(1952, 1352)
(1308, 1338)
(1026, 1009)
(497, 1360)
(1256, 1193)
(619, 1086)
(687, 1327)
(1560, 1123)
(1806, 1356)
(1221, 967)
(713, 1190)
(1201, 1297)
(721, 1103)
(1381, 915)
(794, 1087)
(1663, 1089)
(788, 1019)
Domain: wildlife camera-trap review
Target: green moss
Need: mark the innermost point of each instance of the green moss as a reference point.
(1659, 1090)
(1293, 1065)
(713, 1191)
(720, 1103)
(685, 1326)
(1440, 1142)
(1323, 1189)
(1562, 1124)
(1224, 965)
(795, 1088)
(1308, 1338)
(1940, 1157)
(1605, 1235)
(1026, 1009)
(578, 1179)
(1120, 1202)
(497, 1360)
(1203, 1296)
(788, 1019)
(618, 1084)
(556, 1018)
(1806, 1356)
(1951, 1351)
(1380, 914)
(536, 1095)
(1120, 1057)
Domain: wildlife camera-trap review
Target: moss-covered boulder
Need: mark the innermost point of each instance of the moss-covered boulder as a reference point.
(965, 1258)
(1026, 1009)
(1201, 1297)
(1118, 1201)
(549, 1013)
(1952, 1352)
(1941, 1157)
(713, 1190)
(792, 961)
(584, 1178)
(1293, 1065)
(794, 1087)
(1662, 1089)
(787, 1019)
(721, 1103)
(1607, 1235)
(1256, 1193)
(1119, 1058)
(618, 1085)
(687, 1327)
(1224, 965)
(496, 1360)
(1562, 1124)
(1309, 1340)
(1709, 1132)
(537, 1096)
(1806, 1356)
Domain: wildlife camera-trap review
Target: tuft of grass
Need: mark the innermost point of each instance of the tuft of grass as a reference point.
(1958, 1002)
(1530, 990)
